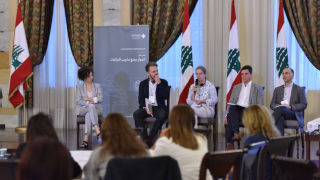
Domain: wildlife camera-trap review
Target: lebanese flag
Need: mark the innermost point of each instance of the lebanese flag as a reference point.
(21, 68)
(186, 78)
(234, 66)
(281, 50)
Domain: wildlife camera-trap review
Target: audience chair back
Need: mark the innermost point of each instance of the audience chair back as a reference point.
(220, 163)
(282, 146)
(293, 124)
(211, 126)
(8, 168)
(156, 168)
(249, 160)
(292, 169)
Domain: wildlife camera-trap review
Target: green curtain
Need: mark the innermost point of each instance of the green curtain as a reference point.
(79, 16)
(304, 19)
(165, 19)
(37, 17)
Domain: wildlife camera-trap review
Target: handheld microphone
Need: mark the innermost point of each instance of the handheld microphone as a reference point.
(196, 84)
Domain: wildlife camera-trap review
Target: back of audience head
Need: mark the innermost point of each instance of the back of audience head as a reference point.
(119, 139)
(40, 125)
(182, 120)
(257, 119)
(45, 159)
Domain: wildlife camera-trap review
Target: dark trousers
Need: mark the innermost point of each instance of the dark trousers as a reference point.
(280, 114)
(160, 113)
(234, 118)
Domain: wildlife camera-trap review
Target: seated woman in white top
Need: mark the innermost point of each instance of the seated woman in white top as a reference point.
(202, 95)
(89, 98)
(182, 143)
(118, 140)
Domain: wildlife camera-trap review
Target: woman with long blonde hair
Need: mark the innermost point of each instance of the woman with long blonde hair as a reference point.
(118, 140)
(260, 124)
(182, 143)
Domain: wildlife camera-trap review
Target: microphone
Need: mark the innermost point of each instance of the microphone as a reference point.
(196, 84)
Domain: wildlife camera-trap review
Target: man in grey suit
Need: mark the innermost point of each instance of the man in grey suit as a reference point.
(243, 95)
(288, 101)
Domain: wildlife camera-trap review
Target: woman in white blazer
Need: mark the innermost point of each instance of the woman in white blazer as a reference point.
(89, 98)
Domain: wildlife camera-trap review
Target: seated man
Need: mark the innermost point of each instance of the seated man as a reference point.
(155, 91)
(243, 95)
(288, 101)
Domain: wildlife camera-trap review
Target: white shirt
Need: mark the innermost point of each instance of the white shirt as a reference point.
(152, 92)
(244, 95)
(287, 93)
(189, 160)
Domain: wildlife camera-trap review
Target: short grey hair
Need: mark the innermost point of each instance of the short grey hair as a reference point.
(202, 68)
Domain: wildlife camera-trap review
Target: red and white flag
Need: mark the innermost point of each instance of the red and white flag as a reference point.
(234, 66)
(21, 67)
(186, 78)
(281, 50)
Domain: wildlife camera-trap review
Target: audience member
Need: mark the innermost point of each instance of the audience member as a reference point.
(118, 140)
(182, 143)
(153, 91)
(202, 95)
(45, 159)
(288, 101)
(89, 98)
(260, 124)
(243, 95)
(40, 125)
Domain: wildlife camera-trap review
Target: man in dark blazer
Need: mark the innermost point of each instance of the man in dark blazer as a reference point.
(243, 95)
(288, 101)
(155, 91)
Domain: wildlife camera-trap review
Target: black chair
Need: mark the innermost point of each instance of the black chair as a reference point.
(220, 163)
(8, 168)
(149, 121)
(282, 146)
(292, 169)
(293, 124)
(241, 126)
(210, 125)
(81, 121)
(155, 168)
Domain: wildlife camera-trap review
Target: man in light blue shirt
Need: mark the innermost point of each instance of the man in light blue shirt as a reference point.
(288, 101)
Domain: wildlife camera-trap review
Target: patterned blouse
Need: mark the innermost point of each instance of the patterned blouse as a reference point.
(206, 92)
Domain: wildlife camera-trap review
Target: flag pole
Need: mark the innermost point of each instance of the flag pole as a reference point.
(23, 129)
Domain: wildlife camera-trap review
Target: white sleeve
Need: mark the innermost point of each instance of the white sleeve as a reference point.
(161, 146)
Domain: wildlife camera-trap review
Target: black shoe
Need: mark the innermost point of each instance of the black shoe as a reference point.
(84, 145)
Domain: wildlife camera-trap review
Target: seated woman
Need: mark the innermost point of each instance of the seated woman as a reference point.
(182, 143)
(118, 140)
(40, 125)
(202, 95)
(260, 124)
(45, 158)
(89, 98)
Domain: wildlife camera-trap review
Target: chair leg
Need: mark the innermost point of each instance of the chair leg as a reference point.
(302, 143)
(297, 130)
(78, 129)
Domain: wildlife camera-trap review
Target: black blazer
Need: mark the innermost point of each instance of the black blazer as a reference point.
(162, 93)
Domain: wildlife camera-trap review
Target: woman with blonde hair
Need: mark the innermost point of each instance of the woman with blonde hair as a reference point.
(118, 140)
(260, 124)
(182, 143)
